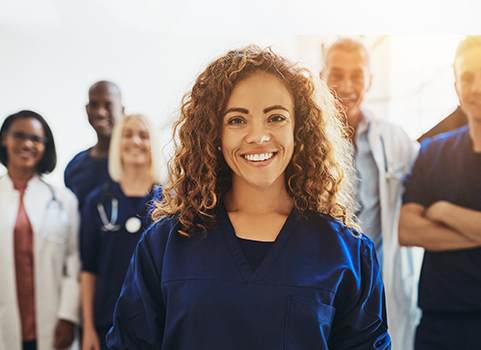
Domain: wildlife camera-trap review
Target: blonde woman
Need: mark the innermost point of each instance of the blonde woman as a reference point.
(113, 218)
(254, 247)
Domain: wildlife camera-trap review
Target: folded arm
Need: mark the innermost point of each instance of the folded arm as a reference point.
(424, 228)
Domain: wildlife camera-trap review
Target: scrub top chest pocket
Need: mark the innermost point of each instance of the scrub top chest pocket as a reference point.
(308, 323)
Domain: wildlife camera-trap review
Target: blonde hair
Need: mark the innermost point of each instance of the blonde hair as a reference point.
(115, 162)
(199, 177)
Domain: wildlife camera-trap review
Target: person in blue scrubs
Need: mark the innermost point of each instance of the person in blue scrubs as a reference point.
(113, 219)
(441, 212)
(255, 245)
(89, 168)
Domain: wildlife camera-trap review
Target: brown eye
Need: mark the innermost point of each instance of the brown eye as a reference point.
(235, 120)
(277, 118)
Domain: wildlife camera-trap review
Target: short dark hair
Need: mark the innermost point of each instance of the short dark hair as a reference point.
(469, 42)
(49, 159)
(108, 85)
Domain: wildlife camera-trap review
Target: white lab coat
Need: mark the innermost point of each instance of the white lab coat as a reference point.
(56, 261)
(394, 153)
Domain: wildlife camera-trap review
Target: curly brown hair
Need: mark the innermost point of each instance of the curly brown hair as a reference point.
(199, 177)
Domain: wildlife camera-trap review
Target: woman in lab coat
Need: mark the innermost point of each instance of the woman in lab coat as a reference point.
(39, 258)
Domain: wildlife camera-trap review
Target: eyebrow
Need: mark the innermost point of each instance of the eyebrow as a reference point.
(266, 110)
(240, 110)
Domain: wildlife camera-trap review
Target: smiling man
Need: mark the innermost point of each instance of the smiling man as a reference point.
(442, 214)
(382, 154)
(89, 168)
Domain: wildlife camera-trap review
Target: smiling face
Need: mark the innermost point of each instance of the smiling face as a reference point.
(135, 148)
(347, 73)
(467, 68)
(104, 108)
(258, 131)
(25, 145)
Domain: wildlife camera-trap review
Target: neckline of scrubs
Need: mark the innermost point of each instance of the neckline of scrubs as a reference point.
(249, 275)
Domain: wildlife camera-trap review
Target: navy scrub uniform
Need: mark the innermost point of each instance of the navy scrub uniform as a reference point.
(450, 284)
(83, 173)
(107, 253)
(318, 287)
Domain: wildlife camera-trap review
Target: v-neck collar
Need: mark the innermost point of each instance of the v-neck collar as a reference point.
(249, 275)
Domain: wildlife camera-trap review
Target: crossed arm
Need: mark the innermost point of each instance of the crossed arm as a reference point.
(441, 227)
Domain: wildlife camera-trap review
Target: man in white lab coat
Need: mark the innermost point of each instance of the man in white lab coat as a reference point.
(382, 154)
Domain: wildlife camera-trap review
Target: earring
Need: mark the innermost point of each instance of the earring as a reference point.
(219, 148)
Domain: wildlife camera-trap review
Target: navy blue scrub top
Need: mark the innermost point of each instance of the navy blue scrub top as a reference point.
(448, 169)
(107, 253)
(83, 173)
(318, 287)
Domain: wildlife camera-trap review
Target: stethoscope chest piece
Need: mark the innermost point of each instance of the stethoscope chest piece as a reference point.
(133, 224)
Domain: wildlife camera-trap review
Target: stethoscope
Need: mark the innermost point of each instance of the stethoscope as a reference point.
(132, 225)
(54, 201)
(62, 215)
(390, 172)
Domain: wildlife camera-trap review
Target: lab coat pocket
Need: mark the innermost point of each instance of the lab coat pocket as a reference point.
(308, 323)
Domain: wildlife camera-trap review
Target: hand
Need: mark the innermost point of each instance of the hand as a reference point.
(64, 334)
(90, 339)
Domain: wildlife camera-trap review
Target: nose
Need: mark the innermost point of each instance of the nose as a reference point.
(103, 111)
(136, 139)
(345, 85)
(27, 142)
(258, 133)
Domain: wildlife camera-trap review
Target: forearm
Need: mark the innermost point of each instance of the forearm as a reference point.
(463, 220)
(88, 283)
(415, 229)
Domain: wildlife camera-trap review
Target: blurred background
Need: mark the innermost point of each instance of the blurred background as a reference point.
(52, 51)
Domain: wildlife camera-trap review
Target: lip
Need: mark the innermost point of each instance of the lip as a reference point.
(259, 158)
(135, 151)
(25, 155)
(101, 121)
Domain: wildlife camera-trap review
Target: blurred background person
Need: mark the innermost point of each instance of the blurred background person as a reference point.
(441, 212)
(113, 219)
(255, 246)
(383, 154)
(89, 168)
(39, 260)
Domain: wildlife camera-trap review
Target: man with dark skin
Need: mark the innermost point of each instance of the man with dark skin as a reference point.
(89, 168)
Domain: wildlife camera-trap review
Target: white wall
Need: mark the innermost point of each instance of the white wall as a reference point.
(51, 51)
(50, 71)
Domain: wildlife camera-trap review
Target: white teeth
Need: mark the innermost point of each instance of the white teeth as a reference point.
(258, 157)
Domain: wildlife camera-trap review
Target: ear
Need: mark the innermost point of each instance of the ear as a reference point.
(456, 86)
(369, 83)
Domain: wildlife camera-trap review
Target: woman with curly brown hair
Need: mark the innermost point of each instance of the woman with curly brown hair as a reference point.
(254, 247)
